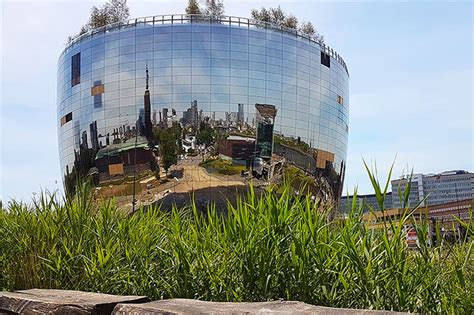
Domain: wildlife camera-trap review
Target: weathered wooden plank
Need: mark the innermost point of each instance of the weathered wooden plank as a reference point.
(40, 301)
(187, 307)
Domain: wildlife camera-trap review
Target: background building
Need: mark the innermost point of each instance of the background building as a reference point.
(204, 78)
(439, 189)
(367, 201)
(449, 186)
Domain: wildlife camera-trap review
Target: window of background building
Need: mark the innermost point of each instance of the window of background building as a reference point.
(76, 69)
(96, 91)
(66, 118)
(325, 60)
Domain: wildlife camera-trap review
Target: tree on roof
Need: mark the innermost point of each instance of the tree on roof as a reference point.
(118, 11)
(272, 15)
(193, 7)
(214, 8)
(262, 15)
(308, 28)
(113, 11)
(291, 22)
(278, 17)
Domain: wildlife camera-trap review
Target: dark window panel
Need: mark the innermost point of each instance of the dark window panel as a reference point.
(325, 60)
(76, 69)
(66, 118)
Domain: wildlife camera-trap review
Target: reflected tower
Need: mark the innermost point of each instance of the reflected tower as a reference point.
(148, 124)
(265, 120)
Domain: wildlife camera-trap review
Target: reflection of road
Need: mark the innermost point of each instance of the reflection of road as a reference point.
(195, 177)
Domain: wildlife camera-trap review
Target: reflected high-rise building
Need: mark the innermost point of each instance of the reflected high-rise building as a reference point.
(225, 97)
(84, 140)
(265, 121)
(140, 124)
(94, 135)
(192, 117)
(240, 115)
(165, 114)
(153, 118)
(147, 109)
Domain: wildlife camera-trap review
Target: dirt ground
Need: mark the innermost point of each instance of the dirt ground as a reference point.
(187, 178)
(196, 177)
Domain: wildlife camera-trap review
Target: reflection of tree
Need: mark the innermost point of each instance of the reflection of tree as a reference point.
(169, 150)
(70, 182)
(155, 168)
(317, 184)
(218, 136)
(246, 132)
(84, 160)
(293, 143)
(334, 180)
(205, 135)
(170, 144)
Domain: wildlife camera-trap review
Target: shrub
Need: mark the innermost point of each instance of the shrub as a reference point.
(264, 248)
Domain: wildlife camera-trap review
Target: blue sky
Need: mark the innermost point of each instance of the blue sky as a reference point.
(411, 84)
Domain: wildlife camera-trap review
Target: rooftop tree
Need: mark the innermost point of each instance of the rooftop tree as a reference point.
(308, 28)
(291, 22)
(262, 15)
(214, 8)
(113, 11)
(193, 7)
(278, 17)
(272, 15)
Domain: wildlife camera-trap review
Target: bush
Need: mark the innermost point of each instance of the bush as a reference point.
(265, 248)
(223, 167)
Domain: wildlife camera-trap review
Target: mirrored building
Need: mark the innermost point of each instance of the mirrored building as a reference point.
(185, 103)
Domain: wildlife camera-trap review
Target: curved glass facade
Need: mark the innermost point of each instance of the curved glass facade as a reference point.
(183, 106)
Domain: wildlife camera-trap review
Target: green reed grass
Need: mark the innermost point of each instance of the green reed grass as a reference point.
(266, 247)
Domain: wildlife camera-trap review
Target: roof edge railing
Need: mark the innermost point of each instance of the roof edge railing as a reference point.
(201, 18)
